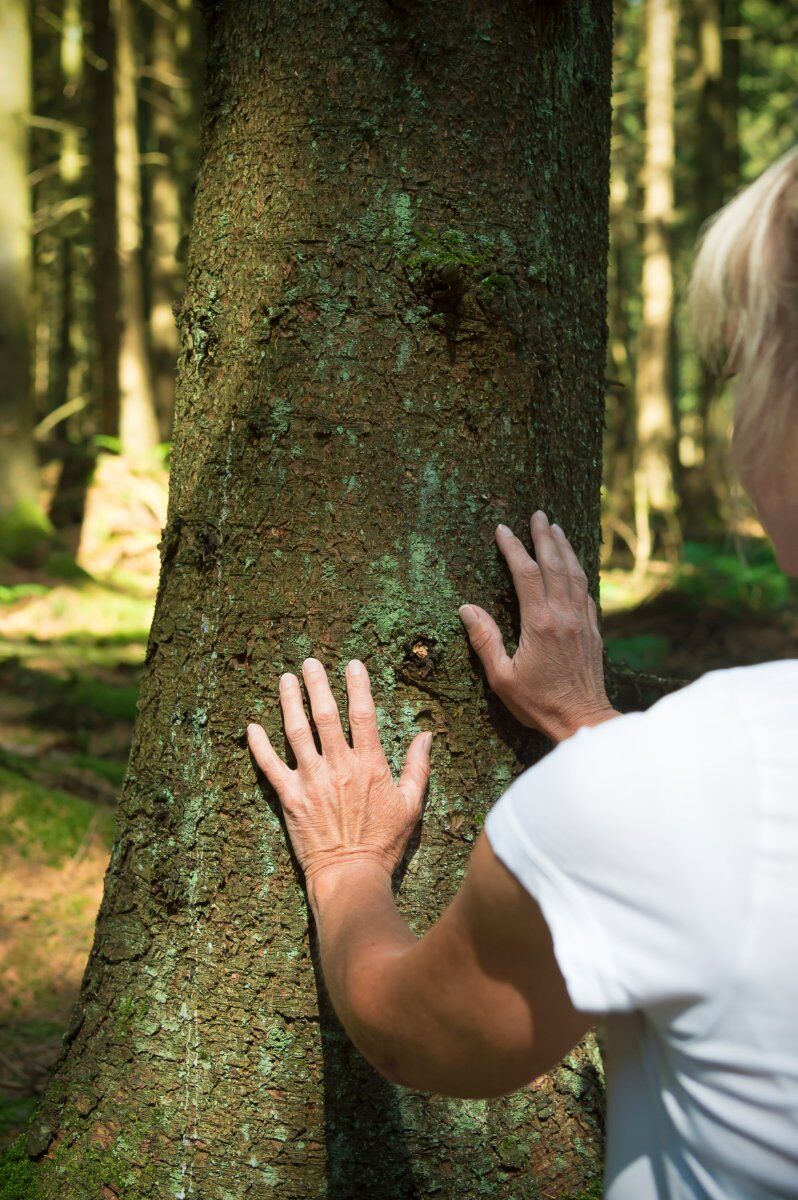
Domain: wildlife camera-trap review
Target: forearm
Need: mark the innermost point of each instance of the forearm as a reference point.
(362, 938)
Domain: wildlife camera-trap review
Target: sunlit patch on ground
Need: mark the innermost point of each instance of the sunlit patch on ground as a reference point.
(72, 638)
(53, 853)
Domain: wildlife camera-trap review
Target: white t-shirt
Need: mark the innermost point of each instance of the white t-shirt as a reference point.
(662, 848)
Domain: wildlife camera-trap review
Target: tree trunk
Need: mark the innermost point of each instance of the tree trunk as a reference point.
(619, 438)
(138, 423)
(393, 337)
(20, 511)
(70, 441)
(655, 433)
(165, 224)
(105, 258)
(716, 179)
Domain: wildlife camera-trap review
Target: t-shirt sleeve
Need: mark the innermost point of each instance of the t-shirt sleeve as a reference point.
(635, 838)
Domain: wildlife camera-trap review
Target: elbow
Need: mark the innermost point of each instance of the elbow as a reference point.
(390, 1069)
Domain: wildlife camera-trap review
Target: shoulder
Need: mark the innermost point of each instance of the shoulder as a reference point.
(640, 761)
(634, 836)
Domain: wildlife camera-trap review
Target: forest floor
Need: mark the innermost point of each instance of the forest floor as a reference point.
(71, 647)
(72, 637)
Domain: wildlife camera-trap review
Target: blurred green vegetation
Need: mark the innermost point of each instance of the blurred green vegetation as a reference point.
(750, 579)
(45, 823)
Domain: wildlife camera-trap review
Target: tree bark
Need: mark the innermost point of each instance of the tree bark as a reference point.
(124, 371)
(166, 218)
(105, 258)
(20, 510)
(655, 428)
(138, 423)
(393, 337)
(717, 177)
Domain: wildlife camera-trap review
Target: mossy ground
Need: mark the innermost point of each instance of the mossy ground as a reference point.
(719, 604)
(17, 1179)
(72, 638)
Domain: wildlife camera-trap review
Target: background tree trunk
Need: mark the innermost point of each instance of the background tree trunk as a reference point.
(705, 482)
(655, 438)
(138, 423)
(105, 258)
(393, 337)
(165, 213)
(20, 510)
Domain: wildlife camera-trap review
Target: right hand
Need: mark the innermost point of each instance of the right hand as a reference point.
(555, 680)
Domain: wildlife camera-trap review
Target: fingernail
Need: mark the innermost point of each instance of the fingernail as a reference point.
(540, 513)
(557, 529)
(468, 615)
(311, 664)
(284, 678)
(428, 741)
(504, 529)
(251, 729)
(355, 667)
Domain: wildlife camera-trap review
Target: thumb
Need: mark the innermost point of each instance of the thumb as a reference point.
(485, 638)
(415, 776)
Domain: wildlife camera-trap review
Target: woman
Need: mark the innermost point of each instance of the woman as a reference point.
(646, 871)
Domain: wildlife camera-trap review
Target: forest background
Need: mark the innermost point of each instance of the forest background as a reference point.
(99, 118)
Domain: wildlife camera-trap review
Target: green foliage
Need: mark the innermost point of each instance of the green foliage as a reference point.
(62, 565)
(105, 442)
(12, 593)
(114, 772)
(83, 613)
(17, 1175)
(162, 454)
(47, 825)
(24, 532)
(15, 1112)
(111, 699)
(646, 652)
(753, 580)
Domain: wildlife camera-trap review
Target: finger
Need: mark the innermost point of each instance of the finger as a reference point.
(415, 776)
(486, 639)
(324, 709)
(577, 578)
(297, 726)
(362, 713)
(524, 570)
(552, 565)
(278, 773)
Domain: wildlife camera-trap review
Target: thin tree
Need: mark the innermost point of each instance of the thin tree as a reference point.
(124, 371)
(393, 337)
(105, 256)
(167, 88)
(717, 176)
(138, 422)
(21, 519)
(70, 417)
(655, 497)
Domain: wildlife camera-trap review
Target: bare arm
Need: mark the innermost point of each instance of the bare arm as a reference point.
(476, 1008)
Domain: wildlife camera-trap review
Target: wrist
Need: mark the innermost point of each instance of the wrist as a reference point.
(344, 877)
(567, 725)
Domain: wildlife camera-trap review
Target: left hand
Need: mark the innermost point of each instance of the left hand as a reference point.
(341, 805)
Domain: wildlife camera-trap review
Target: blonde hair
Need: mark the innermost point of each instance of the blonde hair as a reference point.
(744, 300)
